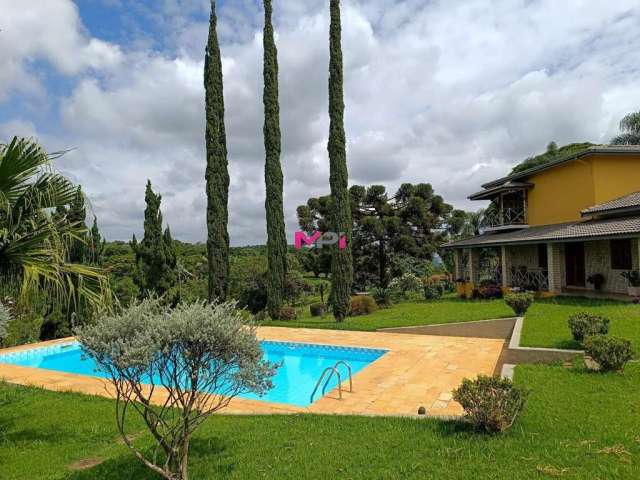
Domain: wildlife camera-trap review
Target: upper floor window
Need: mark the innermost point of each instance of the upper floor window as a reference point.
(621, 258)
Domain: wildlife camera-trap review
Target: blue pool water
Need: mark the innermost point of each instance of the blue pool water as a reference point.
(302, 365)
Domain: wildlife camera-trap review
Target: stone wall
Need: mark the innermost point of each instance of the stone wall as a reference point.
(598, 260)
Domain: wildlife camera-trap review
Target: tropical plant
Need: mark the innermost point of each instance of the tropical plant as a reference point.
(174, 368)
(217, 171)
(5, 319)
(630, 130)
(406, 285)
(33, 239)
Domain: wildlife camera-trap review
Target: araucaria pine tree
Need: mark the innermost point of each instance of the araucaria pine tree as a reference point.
(340, 218)
(217, 174)
(276, 235)
(154, 273)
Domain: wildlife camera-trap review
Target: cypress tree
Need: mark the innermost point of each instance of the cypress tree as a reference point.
(217, 175)
(96, 244)
(276, 235)
(340, 221)
(154, 273)
(77, 213)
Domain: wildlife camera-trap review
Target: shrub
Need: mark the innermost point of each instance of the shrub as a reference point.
(632, 277)
(491, 404)
(611, 353)
(382, 296)
(584, 324)
(363, 305)
(490, 289)
(433, 290)
(288, 313)
(5, 319)
(317, 309)
(519, 302)
(217, 357)
(405, 285)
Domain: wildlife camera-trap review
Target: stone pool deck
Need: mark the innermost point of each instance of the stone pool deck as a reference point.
(417, 370)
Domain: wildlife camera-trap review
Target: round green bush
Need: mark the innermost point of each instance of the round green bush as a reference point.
(491, 404)
(363, 305)
(317, 309)
(288, 313)
(519, 302)
(584, 324)
(611, 353)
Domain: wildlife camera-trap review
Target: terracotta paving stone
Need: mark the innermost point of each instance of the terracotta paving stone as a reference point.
(417, 370)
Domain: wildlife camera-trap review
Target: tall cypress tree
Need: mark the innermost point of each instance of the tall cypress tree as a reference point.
(154, 273)
(276, 235)
(217, 174)
(96, 244)
(341, 261)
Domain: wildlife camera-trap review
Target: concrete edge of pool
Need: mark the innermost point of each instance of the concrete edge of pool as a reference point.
(417, 370)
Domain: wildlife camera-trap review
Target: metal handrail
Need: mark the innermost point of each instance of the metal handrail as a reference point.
(340, 362)
(332, 370)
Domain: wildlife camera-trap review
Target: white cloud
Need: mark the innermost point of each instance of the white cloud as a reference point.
(50, 31)
(448, 93)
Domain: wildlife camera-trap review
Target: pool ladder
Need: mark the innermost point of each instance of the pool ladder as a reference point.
(331, 371)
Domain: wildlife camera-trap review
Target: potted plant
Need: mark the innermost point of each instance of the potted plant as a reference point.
(633, 278)
(597, 280)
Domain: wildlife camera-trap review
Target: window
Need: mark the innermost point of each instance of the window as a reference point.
(543, 260)
(621, 255)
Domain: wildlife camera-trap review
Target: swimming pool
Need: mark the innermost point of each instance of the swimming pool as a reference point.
(302, 365)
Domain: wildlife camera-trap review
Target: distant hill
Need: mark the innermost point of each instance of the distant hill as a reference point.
(552, 153)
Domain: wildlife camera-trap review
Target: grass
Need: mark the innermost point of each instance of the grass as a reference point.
(407, 314)
(545, 323)
(576, 425)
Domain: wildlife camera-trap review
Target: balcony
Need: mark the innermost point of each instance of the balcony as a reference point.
(504, 218)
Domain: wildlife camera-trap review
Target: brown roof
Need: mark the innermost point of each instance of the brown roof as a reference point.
(585, 230)
(603, 149)
(627, 202)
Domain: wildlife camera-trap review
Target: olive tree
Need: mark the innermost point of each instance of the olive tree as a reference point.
(174, 368)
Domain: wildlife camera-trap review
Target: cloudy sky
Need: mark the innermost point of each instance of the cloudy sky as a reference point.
(448, 92)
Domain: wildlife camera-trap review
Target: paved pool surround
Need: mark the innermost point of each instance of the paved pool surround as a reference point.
(417, 370)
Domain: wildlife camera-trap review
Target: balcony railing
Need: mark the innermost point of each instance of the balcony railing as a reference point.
(530, 279)
(504, 218)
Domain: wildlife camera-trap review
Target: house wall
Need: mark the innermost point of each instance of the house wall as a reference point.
(598, 260)
(615, 176)
(560, 194)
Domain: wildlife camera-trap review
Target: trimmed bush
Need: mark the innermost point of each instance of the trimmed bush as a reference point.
(406, 285)
(489, 291)
(288, 313)
(363, 305)
(491, 404)
(519, 302)
(317, 309)
(433, 290)
(584, 324)
(611, 353)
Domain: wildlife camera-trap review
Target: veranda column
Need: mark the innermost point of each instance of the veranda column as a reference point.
(506, 266)
(457, 262)
(555, 267)
(474, 265)
(637, 267)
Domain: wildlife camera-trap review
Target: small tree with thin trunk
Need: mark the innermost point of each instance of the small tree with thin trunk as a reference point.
(174, 368)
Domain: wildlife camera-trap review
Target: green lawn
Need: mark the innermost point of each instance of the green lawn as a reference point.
(545, 324)
(406, 314)
(572, 420)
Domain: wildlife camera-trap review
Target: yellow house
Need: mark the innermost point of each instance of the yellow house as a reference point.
(571, 225)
